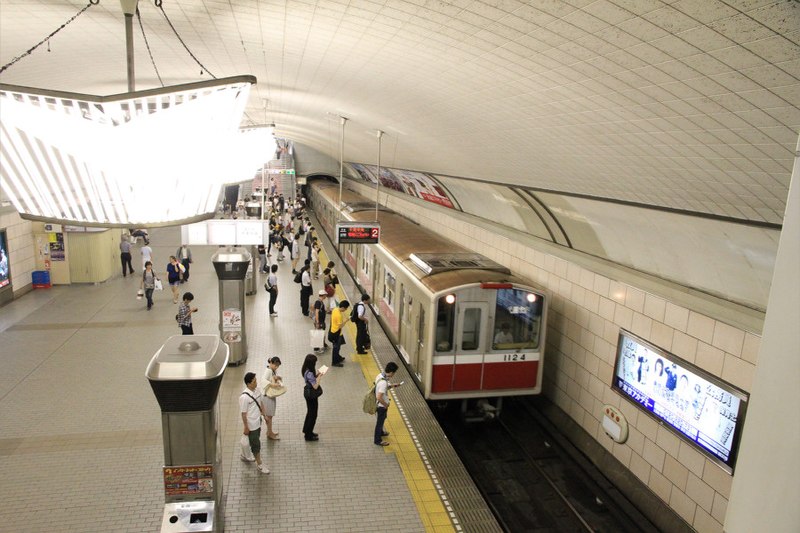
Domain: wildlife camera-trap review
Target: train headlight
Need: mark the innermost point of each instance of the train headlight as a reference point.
(450, 298)
(531, 297)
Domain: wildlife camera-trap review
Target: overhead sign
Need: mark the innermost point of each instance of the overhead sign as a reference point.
(358, 232)
(697, 406)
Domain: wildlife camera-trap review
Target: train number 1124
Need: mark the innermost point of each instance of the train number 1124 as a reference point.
(514, 357)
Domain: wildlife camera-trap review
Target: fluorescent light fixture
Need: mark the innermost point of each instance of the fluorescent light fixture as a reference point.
(147, 158)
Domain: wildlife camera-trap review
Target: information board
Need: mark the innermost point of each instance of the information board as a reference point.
(358, 232)
(697, 406)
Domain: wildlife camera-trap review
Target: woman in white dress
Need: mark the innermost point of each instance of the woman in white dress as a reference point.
(271, 380)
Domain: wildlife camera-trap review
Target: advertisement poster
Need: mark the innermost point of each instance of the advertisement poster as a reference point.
(423, 186)
(704, 412)
(362, 171)
(232, 325)
(5, 272)
(181, 480)
(56, 246)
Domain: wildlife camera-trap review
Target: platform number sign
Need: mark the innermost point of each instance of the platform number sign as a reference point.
(358, 232)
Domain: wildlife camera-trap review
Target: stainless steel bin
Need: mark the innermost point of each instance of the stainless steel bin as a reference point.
(231, 265)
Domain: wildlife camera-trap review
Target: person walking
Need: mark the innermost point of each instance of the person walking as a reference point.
(184, 255)
(319, 318)
(185, 312)
(311, 392)
(382, 387)
(252, 411)
(148, 283)
(272, 289)
(336, 334)
(174, 277)
(271, 382)
(362, 325)
(147, 254)
(125, 255)
(305, 289)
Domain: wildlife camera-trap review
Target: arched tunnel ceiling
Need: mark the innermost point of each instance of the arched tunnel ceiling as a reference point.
(690, 104)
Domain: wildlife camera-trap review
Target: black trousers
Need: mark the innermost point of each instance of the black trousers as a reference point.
(125, 259)
(187, 330)
(273, 297)
(361, 336)
(312, 407)
(185, 263)
(379, 420)
(305, 296)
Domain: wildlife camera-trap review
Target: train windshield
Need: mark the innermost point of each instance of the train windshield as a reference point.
(517, 320)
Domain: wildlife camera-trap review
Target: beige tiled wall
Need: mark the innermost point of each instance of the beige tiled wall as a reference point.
(20, 248)
(586, 312)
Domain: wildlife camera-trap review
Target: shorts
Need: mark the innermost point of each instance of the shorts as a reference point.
(175, 283)
(255, 440)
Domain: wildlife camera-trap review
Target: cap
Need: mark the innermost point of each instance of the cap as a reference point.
(322, 292)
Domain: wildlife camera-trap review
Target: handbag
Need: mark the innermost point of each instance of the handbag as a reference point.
(274, 392)
(310, 393)
(317, 338)
(247, 453)
(157, 285)
(329, 290)
(139, 294)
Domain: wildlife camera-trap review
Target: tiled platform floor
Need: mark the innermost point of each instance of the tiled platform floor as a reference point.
(80, 429)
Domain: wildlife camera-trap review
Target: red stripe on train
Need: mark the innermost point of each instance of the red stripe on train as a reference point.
(496, 376)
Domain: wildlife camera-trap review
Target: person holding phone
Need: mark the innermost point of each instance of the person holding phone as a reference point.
(184, 316)
(382, 387)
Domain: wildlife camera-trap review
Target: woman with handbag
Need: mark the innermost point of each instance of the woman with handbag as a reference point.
(148, 283)
(311, 392)
(273, 387)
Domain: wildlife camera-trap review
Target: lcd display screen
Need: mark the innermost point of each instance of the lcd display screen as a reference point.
(697, 406)
(5, 273)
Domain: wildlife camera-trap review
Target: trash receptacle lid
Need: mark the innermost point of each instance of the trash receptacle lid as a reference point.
(231, 254)
(189, 357)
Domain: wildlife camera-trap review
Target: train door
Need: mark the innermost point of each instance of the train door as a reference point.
(470, 345)
(373, 290)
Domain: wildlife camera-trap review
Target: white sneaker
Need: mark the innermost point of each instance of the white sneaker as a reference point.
(246, 460)
(263, 468)
(273, 314)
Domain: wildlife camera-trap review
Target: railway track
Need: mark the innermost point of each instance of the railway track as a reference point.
(530, 482)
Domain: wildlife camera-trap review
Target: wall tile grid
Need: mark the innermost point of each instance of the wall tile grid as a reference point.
(20, 249)
(585, 314)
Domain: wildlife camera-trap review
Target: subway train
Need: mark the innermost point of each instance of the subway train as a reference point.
(464, 325)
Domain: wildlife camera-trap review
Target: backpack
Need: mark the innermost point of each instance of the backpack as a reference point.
(298, 278)
(371, 400)
(354, 313)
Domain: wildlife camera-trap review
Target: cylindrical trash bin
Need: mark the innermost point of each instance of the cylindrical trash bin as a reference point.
(231, 265)
(185, 375)
(250, 280)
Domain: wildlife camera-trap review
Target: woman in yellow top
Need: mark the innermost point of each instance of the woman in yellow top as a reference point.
(336, 334)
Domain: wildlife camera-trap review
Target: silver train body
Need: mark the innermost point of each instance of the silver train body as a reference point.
(465, 326)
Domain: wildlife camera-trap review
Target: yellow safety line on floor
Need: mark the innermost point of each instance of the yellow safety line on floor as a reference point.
(432, 510)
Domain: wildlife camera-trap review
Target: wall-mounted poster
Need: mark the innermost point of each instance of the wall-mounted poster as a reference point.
(423, 186)
(363, 172)
(695, 405)
(56, 246)
(5, 272)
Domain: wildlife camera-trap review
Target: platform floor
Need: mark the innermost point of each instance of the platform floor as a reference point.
(80, 430)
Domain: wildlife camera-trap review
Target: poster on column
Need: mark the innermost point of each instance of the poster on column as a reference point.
(232, 325)
(697, 406)
(56, 246)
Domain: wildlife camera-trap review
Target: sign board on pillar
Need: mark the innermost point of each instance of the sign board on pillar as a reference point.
(358, 232)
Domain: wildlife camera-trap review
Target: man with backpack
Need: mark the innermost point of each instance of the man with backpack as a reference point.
(382, 398)
(359, 318)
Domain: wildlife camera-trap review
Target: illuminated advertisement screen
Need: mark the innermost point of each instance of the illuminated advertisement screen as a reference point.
(697, 406)
(5, 273)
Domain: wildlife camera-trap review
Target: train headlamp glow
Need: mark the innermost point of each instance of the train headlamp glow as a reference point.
(152, 157)
(450, 299)
(531, 297)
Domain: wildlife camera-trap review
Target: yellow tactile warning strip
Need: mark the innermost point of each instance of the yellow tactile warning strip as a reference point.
(429, 497)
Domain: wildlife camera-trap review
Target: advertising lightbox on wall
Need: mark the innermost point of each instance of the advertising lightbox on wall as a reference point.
(695, 405)
(5, 271)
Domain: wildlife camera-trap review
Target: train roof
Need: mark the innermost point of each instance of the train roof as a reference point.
(448, 264)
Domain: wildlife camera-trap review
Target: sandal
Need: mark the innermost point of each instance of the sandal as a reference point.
(273, 437)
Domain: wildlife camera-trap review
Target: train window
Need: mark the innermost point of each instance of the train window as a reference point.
(517, 320)
(389, 288)
(471, 329)
(445, 324)
(366, 260)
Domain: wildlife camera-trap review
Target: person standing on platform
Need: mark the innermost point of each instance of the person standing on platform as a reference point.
(362, 325)
(252, 411)
(294, 247)
(319, 317)
(125, 255)
(147, 254)
(185, 312)
(336, 333)
(382, 387)
(184, 255)
(148, 283)
(174, 276)
(312, 380)
(271, 381)
(272, 288)
(262, 258)
(315, 258)
(305, 289)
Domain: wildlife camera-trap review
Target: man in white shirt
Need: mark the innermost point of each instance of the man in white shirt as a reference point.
(252, 411)
(305, 289)
(504, 336)
(382, 387)
(147, 254)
